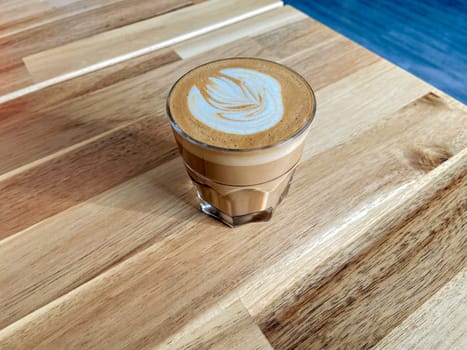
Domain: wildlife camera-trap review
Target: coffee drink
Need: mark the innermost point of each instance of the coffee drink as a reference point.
(240, 125)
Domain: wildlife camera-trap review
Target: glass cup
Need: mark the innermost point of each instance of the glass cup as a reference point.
(238, 186)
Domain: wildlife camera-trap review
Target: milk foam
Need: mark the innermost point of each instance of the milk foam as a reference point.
(237, 101)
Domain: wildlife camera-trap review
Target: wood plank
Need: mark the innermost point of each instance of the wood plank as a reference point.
(23, 15)
(117, 45)
(440, 323)
(156, 287)
(28, 121)
(14, 78)
(419, 248)
(252, 26)
(233, 328)
(15, 12)
(78, 20)
(53, 95)
(59, 25)
(355, 103)
(296, 37)
(326, 56)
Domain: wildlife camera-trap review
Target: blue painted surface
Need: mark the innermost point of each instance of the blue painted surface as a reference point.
(427, 38)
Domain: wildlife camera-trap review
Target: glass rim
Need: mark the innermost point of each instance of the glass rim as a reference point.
(192, 140)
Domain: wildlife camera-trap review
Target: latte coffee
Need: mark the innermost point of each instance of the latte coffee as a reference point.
(240, 125)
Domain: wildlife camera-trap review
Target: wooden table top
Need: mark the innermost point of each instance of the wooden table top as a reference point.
(102, 244)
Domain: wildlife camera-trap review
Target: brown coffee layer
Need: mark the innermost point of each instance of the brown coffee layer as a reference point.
(297, 100)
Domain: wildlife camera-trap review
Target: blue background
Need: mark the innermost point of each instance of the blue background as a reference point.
(427, 38)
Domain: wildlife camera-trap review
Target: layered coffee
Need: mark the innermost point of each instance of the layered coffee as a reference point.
(240, 125)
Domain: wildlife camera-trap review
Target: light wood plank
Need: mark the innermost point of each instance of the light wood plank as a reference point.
(252, 26)
(233, 328)
(440, 323)
(117, 45)
(357, 101)
(160, 279)
(319, 64)
(418, 248)
(296, 37)
(58, 24)
(14, 12)
(24, 15)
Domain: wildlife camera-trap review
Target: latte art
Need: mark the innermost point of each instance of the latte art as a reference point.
(240, 103)
(237, 101)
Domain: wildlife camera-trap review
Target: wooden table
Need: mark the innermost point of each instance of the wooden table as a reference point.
(103, 246)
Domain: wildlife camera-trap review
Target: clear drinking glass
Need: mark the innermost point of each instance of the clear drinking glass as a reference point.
(238, 186)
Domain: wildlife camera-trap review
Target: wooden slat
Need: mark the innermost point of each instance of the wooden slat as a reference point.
(417, 249)
(233, 328)
(22, 15)
(331, 53)
(50, 96)
(175, 296)
(14, 78)
(64, 24)
(297, 37)
(355, 103)
(440, 323)
(15, 12)
(133, 40)
(76, 117)
(252, 26)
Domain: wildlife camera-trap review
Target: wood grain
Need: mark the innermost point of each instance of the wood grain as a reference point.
(117, 45)
(440, 323)
(215, 241)
(52, 25)
(395, 271)
(264, 22)
(102, 244)
(76, 109)
(74, 146)
(233, 328)
(397, 176)
(22, 15)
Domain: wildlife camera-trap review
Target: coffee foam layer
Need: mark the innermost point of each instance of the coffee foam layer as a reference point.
(241, 103)
(237, 101)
